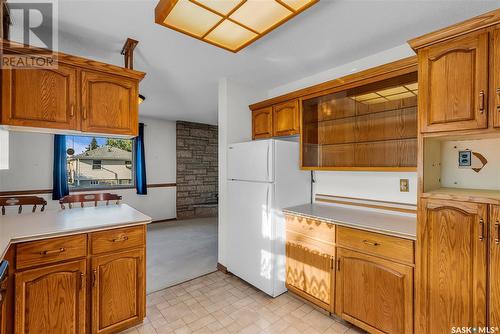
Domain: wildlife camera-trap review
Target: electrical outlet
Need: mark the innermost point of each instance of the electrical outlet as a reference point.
(464, 158)
(404, 185)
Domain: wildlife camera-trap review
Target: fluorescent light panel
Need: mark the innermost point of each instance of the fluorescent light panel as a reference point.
(388, 94)
(230, 24)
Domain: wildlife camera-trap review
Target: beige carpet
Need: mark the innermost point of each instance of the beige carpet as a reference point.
(181, 250)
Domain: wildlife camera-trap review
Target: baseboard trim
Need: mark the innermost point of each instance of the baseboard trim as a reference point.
(222, 268)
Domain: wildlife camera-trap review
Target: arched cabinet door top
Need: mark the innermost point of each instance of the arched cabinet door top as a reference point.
(109, 104)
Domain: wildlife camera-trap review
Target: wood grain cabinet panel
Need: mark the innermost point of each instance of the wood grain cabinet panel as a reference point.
(495, 74)
(40, 98)
(117, 239)
(262, 123)
(286, 119)
(494, 262)
(453, 84)
(451, 265)
(374, 294)
(118, 291)
(51, 299)
(109, 104)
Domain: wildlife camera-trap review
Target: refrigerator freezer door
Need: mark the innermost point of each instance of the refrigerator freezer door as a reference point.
(251, 161)
(251, 234)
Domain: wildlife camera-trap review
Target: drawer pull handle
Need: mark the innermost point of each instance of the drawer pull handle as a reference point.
(94, 278)
(497, 227)
(120, 239)
(371, 243)
(53, 251)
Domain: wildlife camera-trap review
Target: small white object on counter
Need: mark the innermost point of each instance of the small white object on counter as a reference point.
(55, 223)
(398, 225)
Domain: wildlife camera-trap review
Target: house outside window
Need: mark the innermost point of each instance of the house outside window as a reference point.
(99, 162)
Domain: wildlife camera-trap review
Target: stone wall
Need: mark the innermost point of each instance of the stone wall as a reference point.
(197, 163)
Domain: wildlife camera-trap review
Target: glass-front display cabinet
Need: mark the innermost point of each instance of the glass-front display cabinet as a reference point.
(370, 127)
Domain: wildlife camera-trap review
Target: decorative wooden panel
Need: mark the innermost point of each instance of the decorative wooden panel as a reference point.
(494, 262)
(451, 265)
(118, 291)
(109, 104)
(453, 77)
(286, 119)
(495, 73)
(40, 98)
(262, 123)
(373, 293)
(51, 299)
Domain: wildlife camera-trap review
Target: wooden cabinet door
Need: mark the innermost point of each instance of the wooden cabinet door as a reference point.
(494, 262)
(262, 123)
(374, 294)
(109, 104)
(286, 119)
(453, 84)
(43, 98)
(51, 299)
(309, 274)
(118, 291)
(451, 265)
(495, 74)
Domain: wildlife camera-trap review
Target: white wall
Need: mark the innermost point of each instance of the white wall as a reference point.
(235, 125)
(31, 159)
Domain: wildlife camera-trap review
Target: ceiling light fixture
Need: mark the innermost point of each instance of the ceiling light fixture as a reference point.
(229, 24)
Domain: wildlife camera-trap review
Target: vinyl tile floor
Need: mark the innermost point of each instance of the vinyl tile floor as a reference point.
(220, 303)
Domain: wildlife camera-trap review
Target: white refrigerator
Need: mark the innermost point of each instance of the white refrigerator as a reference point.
(263, 177)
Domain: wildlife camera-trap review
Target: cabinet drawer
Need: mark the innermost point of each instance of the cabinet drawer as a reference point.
(377, 244)
(314, 229)
(310, 244)
(35, 253)
(113, 240)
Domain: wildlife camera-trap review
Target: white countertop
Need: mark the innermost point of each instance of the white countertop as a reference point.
(399, 225)
(40, 225)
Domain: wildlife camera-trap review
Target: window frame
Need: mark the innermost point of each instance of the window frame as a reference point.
(101, 187)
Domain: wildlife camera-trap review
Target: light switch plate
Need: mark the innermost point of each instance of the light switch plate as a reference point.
(404, 185)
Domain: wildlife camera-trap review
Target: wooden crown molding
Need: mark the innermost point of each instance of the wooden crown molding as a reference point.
(473, 24)
(11, 47)
(399, 67)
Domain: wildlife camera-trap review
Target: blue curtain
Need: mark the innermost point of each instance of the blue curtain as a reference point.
(140, 163)
(60, 176)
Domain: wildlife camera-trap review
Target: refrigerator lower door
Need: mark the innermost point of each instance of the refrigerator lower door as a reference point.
(252, 237)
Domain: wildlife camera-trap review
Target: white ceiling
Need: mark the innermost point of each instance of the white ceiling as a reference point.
(182, 72)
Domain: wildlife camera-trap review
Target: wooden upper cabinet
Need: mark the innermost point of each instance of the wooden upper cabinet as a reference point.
(453, 81)
(262, 123)
(51, 299)
(109, 104)
(373, 293)
(495, 76)
(451, 263)
(40, 98)
(494, 261)
(118, 291)
(286, 119)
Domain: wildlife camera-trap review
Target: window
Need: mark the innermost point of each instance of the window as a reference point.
(99, 162)
(96, 164)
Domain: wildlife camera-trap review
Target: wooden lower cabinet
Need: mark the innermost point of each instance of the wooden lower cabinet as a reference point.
(451, 265)
(51, 299)
(494, 275)
(309, 274)
(373, 293)
(118, 291)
